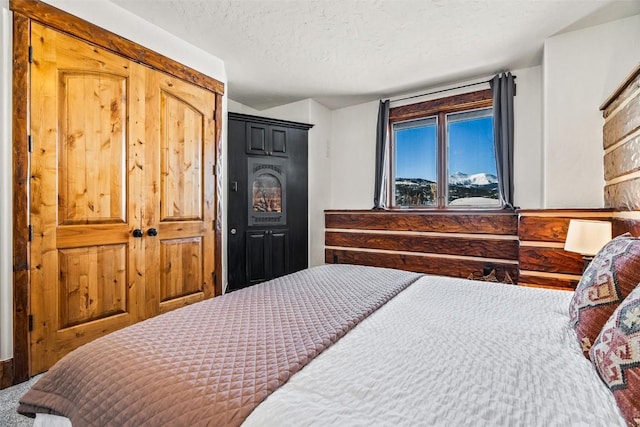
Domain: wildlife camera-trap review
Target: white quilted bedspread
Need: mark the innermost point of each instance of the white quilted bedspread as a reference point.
(449, 352)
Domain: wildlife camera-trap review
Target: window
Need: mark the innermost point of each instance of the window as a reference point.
(443, 154)
(416, 157)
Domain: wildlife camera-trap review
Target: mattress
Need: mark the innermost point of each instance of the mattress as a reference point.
(449, 351)
(213, 362)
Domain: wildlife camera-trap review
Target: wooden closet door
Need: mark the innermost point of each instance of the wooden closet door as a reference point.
(180, 189)
(87, 187)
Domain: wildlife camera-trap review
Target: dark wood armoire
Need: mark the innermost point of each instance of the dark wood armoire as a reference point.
(267, 207)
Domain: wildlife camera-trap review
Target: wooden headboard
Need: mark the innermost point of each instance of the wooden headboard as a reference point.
(460, 244)
(621, 143)
(527, 245)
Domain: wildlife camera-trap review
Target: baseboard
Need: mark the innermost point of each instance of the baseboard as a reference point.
(6, 373)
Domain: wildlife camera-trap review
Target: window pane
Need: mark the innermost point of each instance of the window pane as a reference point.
(415, 163)
(471, 165)
(267, 193)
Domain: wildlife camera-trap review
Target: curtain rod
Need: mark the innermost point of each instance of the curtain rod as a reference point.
(442, 90)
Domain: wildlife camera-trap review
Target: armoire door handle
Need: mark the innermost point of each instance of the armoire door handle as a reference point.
(152, 232)
(137, 233)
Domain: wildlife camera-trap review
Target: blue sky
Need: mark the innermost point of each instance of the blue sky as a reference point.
(470, 147)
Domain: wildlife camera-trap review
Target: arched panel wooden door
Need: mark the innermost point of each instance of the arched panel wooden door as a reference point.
(122, 194)
(180, 193)
(86, 194)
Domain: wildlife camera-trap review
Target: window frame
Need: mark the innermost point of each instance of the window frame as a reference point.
(438, 108)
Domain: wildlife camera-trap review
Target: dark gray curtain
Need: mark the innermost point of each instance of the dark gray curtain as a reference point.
(504, 89)
(382, 144)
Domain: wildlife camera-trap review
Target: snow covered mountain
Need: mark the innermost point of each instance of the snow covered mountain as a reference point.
(475, 179)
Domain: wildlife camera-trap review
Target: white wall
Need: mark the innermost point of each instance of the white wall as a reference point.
(6, 193)
(237, 107)
(113, 18)
(308, 111)
(558, 125)
(354, 133)
(353, 150)
(527, 156)
(320, 172)
(581, 69)
(295, 111)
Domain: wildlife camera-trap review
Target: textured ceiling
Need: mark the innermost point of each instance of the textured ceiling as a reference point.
(343, 52)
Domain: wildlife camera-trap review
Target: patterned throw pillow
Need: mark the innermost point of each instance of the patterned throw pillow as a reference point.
(616, 356)
(609, 278)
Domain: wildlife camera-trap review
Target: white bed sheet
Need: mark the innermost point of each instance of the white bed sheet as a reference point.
(48, 420)
(450, 352)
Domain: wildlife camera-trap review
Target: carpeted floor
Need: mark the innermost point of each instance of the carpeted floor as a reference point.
(9, 403)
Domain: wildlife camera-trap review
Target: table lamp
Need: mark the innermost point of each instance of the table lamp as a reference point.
(587, 237)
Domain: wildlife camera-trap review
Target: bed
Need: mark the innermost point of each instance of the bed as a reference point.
(397, 348)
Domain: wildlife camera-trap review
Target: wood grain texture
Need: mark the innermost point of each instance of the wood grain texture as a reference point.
(102, 288)
(545, 229)
(136, 167)
(547, 282)
(478, 99)
(623, 160)
(6, 373)
(476, 247)
(476, 223)
(93, 125)
(622, 123)
(421, 264)
(97, 174)
(21, 77)
(71, 338)
(623, 196)
(552, 287)
(624, 225)
(548, 228)
(181, 159)
(175, 303)
(103, 202)
(77, 27)
(108, 234)
(82, 146)
(186, 204)
(217, 202)
(181, 268)
(550, 260)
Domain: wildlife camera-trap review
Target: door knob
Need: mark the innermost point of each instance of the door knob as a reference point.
(152, 232)
(137, 233)
(233, 231)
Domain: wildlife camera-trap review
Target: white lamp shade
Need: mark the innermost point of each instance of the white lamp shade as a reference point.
(587, 237)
